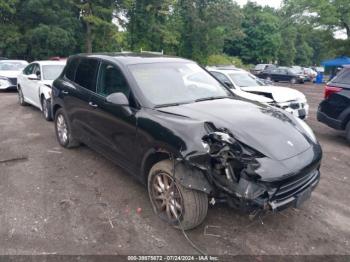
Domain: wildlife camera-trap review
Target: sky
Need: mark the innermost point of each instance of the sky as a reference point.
(272, 3)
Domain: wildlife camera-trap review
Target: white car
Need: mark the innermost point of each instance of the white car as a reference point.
(248, 86)
(34, 84)
(9, 70)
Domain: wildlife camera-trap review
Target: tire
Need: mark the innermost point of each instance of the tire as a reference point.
(63, 130)
(21, 97)
(293, 80)
(268, 78)
(348, 132)
(46, 108)
(191, 205)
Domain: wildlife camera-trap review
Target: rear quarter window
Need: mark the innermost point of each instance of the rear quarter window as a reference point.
(71, 69)
(86, 72)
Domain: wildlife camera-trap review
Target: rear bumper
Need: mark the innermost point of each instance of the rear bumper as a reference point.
(331, 122)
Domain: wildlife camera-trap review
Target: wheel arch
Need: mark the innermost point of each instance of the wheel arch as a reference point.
(188, 176)
(54, 109)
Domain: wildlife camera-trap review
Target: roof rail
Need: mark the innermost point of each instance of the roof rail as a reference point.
(152, 52)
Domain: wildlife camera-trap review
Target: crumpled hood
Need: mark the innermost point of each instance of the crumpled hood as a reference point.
(9, 74)
(251, 96)
(280, 94)
(262, 127)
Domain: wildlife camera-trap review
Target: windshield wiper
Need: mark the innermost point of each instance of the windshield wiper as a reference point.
(211, 98)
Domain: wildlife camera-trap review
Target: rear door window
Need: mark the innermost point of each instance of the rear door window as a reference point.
(85, 75)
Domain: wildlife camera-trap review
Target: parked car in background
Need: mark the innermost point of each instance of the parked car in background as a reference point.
(283, 74)
(261, 67)
(9, 70)
(246, 85)
(310, 73)
(35, 82)
(3, 58)
(185, 135)
(334, 110)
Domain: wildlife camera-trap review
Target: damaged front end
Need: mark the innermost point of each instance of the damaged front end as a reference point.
(232, 171)
(229, 166)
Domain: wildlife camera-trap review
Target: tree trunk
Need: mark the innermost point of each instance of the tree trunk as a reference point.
(88, 38)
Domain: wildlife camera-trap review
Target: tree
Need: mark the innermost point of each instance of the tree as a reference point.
(96, 16)
(332, 14)
(262, 38)
(206, 25)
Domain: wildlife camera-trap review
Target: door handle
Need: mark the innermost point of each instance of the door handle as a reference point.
(93, 105)
(65, 92)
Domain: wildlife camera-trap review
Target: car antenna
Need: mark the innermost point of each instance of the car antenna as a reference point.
(200, 251)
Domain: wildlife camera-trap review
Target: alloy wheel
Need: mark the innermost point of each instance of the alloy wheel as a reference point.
(166, 197)
(62, 129)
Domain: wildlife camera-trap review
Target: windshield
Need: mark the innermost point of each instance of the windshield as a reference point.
(11, 66)
(245, 80)
(260, 67)
(295, 71)
(51, 72)
(176, 83)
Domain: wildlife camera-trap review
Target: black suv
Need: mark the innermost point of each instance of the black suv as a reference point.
(334, 110)
(171, 124)
(283, 74)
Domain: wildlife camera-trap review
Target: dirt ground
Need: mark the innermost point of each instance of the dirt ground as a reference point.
(57, 201)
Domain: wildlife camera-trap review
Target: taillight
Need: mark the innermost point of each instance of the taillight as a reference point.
(328, 90)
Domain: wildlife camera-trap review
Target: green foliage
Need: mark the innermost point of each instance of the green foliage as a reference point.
(223, 59)
(262, 38)
(208, 31)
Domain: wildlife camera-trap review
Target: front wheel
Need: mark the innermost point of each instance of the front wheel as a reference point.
(178, 206)
(63, 130)
(21, 97)
(46, 108)
(293, 81)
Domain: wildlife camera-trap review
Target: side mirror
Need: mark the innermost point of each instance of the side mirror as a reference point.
(33, 77)
(118, 99)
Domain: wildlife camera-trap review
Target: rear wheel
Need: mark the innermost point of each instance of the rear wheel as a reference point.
(46, 108)
(348, 132)
(63, 130)
(178, 206)
(21, 97)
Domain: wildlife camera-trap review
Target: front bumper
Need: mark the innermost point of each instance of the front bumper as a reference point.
(12, 87)
(295, 193)
(298, 109)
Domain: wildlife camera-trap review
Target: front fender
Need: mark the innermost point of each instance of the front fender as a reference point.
(46, 91)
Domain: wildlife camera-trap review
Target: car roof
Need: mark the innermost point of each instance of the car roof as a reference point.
(50, 62)
(135, 58)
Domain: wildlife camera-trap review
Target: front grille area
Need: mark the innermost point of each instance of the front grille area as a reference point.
(13, 81)
(294, 187)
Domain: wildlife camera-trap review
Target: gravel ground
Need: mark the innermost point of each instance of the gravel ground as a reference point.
(57, 201)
